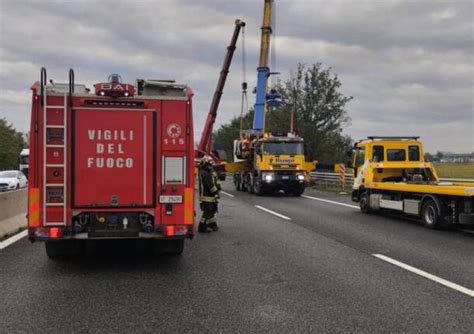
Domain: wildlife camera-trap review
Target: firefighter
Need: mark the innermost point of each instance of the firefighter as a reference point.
(217, 182)
(207, 196)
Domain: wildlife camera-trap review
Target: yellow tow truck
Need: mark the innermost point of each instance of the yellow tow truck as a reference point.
(391, 174)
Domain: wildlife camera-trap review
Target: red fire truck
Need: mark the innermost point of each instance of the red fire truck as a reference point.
(113, 163)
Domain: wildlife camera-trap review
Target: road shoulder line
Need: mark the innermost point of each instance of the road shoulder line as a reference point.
(5, 243)
(424, 274)
(227, 194)
(332, 202)
(272, 212)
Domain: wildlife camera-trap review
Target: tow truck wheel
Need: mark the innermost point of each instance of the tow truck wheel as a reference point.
(429, 214)
(364, 203)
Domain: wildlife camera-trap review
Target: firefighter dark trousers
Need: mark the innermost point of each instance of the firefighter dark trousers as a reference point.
(208, 213)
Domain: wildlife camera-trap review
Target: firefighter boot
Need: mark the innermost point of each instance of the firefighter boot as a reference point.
(214, 227)
(202, 228)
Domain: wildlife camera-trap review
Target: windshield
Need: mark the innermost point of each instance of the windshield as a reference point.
(283, 148)
(24, 159)
(8, 174)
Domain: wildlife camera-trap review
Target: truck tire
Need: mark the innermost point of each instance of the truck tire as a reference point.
(62, 248)
(298, 191)
(174, 247)
(257, 188)
(237, 182)
(157, 247)
(364, 202)
(249, 184)
(430, 215)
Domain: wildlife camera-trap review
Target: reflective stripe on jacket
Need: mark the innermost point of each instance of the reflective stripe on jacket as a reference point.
(207, 186)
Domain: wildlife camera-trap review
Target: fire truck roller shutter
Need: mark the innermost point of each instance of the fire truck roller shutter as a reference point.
(113, 158)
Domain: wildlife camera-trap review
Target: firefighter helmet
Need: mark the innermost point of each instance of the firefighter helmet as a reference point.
(205, 161)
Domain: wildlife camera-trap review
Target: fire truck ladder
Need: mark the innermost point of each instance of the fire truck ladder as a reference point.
(56, 132)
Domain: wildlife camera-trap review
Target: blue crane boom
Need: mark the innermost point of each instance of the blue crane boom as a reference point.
(263, 71)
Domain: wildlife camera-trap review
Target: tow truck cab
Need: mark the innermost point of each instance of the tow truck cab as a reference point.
(390, 173)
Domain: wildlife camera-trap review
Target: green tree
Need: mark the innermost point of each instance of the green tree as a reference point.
(320, 115)
(11, 144)
(320, 110)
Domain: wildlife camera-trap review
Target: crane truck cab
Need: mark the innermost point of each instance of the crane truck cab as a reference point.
(274, 162)
(390, 173)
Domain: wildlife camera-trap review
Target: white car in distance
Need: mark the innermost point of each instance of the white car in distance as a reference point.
(12, 179)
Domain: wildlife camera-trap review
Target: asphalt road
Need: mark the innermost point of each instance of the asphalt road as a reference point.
(310, 268)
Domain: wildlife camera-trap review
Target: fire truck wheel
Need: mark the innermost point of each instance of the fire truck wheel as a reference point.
(158, 247)
(430, 215)
(174, 247)
(364, 203)
(62, 248)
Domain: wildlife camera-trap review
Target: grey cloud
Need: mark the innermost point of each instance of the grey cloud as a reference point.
(408, 64)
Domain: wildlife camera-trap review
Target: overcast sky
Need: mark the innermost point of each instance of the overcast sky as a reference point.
(408, 64)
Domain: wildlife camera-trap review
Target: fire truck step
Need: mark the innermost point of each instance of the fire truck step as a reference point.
(54, 165)
(55, 126)
(54, 184)
(54, 224)
(55, 146)
(54, 204)
(55, 106)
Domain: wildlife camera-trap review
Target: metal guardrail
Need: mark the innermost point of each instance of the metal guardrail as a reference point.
(329, 177)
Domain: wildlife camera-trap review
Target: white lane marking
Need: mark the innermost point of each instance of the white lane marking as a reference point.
(227, 194)
(272, 212)
(429, 276)
(11, 240)
(467, 231)
(332, 202)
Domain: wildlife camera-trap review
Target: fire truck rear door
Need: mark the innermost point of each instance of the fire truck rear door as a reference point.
(113, 158)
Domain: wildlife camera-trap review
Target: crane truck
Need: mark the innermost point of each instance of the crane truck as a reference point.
(116, 162)
(268, 162)
(391, 175)
(205, 144)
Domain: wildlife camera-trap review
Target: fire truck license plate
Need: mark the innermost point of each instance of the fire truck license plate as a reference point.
(171, 199)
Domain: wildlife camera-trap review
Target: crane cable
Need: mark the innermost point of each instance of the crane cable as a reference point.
(243, 103)
(273, 44)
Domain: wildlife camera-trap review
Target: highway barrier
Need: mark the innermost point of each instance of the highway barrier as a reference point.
(12, 212)
(329, 178)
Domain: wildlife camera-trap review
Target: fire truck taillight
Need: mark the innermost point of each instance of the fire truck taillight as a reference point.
(174, 230)
(42, 233)
(54, 232)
